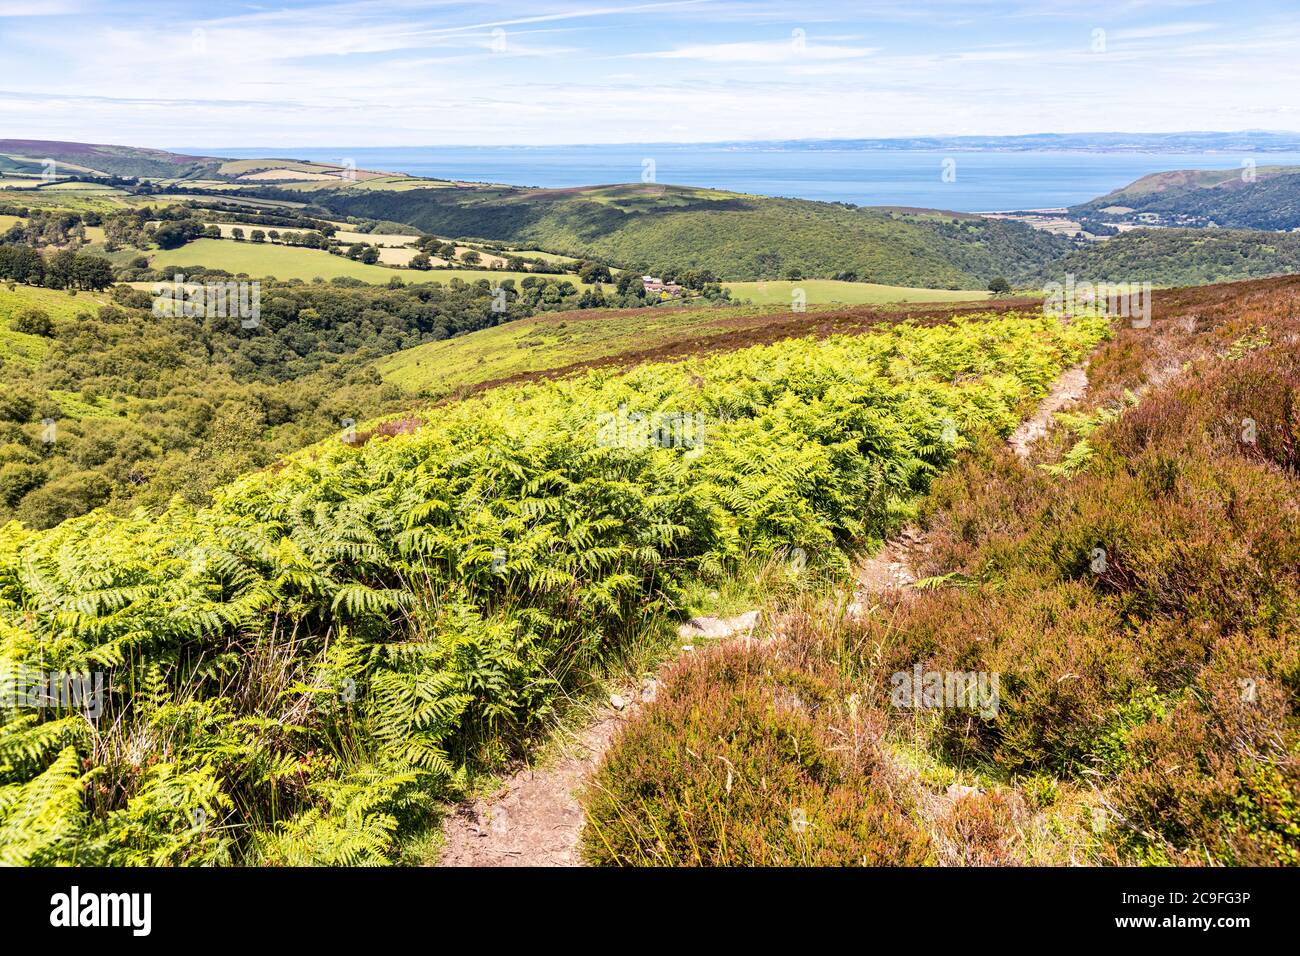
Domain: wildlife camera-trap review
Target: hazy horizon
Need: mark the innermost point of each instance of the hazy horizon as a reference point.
(777, 143)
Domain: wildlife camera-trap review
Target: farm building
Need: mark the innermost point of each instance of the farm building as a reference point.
(658, 286)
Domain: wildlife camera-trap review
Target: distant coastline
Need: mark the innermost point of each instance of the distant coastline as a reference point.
(971, 179)
(1251, 141)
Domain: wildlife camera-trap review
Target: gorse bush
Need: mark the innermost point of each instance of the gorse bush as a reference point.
(294, 673)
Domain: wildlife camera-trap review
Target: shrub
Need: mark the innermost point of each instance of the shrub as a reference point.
(32, 322)
(1164, 673)
(735, 765)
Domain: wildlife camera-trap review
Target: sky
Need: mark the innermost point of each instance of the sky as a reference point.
(549, 72)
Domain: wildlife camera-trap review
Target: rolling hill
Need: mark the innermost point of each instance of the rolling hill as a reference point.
(27, 155)
(556, 344)
(1265, 197)
(846, 251)
(737, 236)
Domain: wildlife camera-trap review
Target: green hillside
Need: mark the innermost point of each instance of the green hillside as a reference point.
(735, 236)
(549, 342)
(1181, 257)
(147, 406)
(827, 291)
(1267, 197)
(307, 664)
(560, 342)
(24, 348)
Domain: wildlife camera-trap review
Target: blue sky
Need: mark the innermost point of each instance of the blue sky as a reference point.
(434, 72)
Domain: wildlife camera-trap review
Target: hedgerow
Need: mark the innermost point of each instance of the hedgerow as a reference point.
(295, 673)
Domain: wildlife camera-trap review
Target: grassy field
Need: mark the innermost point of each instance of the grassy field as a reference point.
(99, 201)
(544, 256)
(241, 167)
(395, 255)
(263, 260)
(820, 291)
(74, 187)
(382, 184)
(374, 238)
(251, 202)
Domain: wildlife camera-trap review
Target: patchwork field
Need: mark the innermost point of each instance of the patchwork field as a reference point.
(263, 260)
(374, 238)
(241, 200)
(291, 175)
(242, 167)
(380, 184)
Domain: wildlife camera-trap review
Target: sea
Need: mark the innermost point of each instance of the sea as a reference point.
(985, 181)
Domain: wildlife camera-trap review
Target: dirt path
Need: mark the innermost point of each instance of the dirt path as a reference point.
(895, 566)
(535, 819)
(893, 569)
(1068, 389)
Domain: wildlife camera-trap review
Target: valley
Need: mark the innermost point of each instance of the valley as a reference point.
(487, 468)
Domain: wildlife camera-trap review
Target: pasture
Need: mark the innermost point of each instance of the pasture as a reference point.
(833, 291)
(265, 260)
